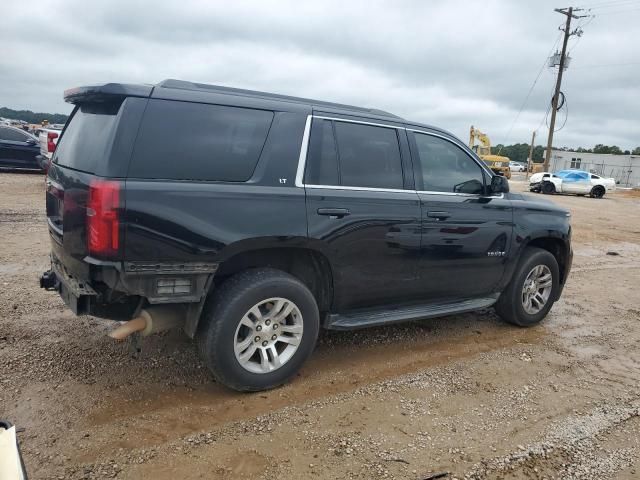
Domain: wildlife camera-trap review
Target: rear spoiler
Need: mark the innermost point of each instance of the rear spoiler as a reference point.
(106, 92)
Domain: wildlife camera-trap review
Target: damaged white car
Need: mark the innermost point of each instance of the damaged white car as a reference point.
(577, 182)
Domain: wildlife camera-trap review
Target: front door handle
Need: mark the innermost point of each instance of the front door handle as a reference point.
(334, 212)
(439, 215)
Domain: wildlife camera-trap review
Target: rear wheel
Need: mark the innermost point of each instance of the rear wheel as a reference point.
(258, 329)
(548, 188)
(597, 191)
(532, 290)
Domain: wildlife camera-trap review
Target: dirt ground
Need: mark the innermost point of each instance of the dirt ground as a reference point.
(465, 396)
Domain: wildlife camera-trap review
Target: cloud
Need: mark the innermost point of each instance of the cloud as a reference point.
(445, 63)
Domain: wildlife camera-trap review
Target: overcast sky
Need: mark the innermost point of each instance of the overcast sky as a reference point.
(446, 63)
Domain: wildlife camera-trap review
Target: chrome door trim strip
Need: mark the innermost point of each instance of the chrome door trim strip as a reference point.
(362, 189)
(397, 127)
(302, 159)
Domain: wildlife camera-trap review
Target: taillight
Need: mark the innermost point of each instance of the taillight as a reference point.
(103, 224)
(51, 146)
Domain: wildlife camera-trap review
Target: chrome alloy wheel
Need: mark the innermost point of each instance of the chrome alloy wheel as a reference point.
(537, 289)
(268, 335)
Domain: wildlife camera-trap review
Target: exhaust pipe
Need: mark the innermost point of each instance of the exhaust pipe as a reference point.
(151, 320)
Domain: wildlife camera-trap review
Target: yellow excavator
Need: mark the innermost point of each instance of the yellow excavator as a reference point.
(496, 163)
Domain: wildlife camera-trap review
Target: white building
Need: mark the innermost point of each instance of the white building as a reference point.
(624, 168)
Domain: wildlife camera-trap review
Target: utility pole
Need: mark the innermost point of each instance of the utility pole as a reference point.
(530, 162)
(569, 12)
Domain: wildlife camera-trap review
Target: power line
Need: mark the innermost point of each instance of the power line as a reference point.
(526, 99)
(610, 4)
(544, 119)
(546, 114)
(565, 105)
(619, 11)
(607, 65)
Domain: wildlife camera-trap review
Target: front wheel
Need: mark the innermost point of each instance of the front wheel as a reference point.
(532, 290)
(548, 188)
(258, 329)
(597, 191)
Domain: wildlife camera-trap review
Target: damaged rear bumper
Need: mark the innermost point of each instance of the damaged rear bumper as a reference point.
(76, 294)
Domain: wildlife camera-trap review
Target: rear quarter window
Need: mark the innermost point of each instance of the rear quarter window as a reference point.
(193, 141)
(86, 142)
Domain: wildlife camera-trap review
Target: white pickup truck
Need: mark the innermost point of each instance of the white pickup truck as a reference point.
(571, 181)
(48, 140)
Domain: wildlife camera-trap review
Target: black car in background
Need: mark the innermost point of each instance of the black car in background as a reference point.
(18, 149)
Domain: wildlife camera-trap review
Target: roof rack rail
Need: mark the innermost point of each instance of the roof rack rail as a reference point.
(203, 87)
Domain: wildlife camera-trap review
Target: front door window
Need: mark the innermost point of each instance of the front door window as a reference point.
(445, 167)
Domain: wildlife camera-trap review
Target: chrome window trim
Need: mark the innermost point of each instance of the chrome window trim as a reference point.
(476, 195)
(304, 148)
(363, 189)
(397, 127)
(435, 192)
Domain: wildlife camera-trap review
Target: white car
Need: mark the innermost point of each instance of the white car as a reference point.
(517, 167)
(48, 138)
(571, 181)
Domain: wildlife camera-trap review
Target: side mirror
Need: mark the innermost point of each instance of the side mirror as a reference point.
(31, 141)
(499, 184)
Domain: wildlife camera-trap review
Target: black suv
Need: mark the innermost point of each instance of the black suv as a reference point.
(253, 219)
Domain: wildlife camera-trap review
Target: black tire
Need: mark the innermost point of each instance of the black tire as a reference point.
(509, 306)
(597, 192)
(548, 188)
(227, 306)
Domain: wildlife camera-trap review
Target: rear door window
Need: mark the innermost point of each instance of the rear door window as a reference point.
(353, 155)
(369, 156)
(322, 159)
(193, 141)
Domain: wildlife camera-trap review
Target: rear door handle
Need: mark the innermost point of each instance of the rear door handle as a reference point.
(334, 212)
(439, 215)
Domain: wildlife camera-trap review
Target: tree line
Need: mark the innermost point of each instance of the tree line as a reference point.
(519, 152)
(32, 117)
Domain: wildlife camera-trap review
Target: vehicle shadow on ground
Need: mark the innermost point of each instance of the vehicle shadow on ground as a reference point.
(85, 354)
